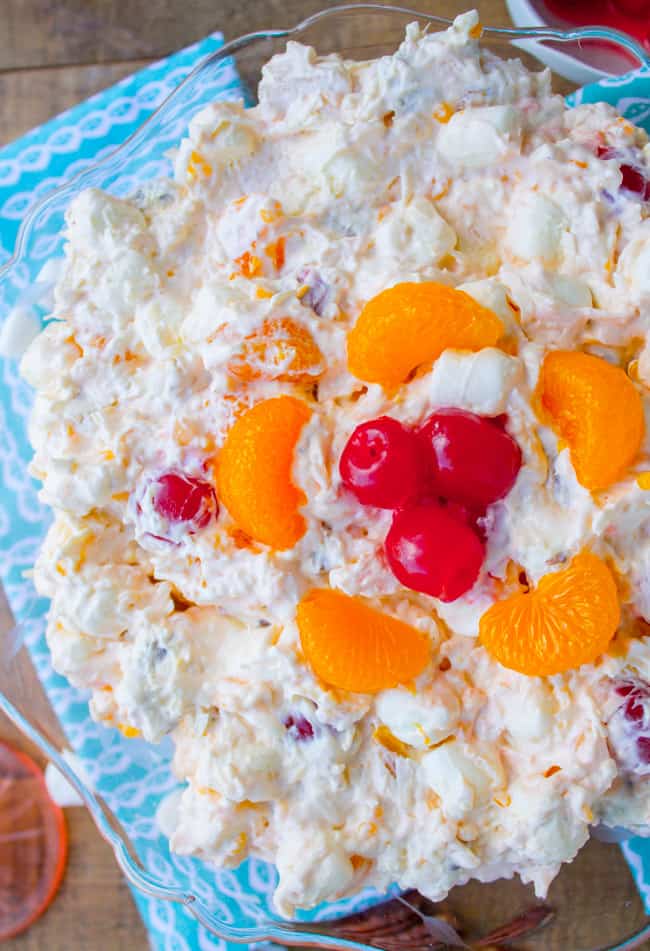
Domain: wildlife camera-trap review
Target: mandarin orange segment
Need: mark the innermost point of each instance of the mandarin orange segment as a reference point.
(596, 409)
(351, 645)
(411, 324)
(281, 349)
(254, 479)
(567, 621)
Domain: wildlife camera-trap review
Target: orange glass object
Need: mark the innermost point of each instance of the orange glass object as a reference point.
(568, 620)
(351, 645)
(281, 349)
(33, 843)
(409, 325)
(254, 479)
(597, 410)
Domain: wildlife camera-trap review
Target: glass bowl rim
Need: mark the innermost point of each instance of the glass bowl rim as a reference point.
(289, 932)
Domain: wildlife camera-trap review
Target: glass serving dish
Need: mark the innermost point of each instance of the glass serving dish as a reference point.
(592, 896)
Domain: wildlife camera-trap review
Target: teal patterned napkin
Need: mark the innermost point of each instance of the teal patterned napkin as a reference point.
(629, 93)
(132, 775)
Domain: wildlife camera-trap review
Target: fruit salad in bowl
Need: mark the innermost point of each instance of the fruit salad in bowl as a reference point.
(343, 428)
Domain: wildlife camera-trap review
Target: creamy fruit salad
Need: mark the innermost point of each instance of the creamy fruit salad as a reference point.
(344, 433)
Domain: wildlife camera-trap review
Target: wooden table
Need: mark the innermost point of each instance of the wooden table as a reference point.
(54, 53)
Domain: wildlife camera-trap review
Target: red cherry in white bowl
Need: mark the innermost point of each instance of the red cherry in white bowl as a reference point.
(383, 464)
(183, 500)
(298, 727)
(431, 550)
(475, 518)
(472, 459)
(629, 726)
(633, 179)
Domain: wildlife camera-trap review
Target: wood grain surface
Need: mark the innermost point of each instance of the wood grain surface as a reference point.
(54, 53)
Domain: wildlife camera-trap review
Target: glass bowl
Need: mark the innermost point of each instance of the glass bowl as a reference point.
(593, 896)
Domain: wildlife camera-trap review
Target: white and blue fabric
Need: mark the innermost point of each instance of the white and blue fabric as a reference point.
(130, 774)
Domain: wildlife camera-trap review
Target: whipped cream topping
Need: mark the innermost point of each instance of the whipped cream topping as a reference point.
(440, 162)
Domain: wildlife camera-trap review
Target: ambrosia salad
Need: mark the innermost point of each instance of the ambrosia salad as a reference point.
(343, 430)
